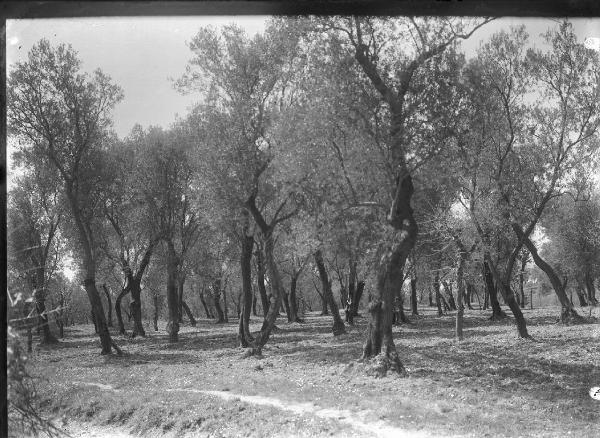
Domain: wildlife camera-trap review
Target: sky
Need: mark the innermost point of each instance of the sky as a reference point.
(141, 54)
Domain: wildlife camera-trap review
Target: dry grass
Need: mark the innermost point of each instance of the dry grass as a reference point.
(492, 384)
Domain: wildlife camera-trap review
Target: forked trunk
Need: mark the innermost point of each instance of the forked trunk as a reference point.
(338, 325)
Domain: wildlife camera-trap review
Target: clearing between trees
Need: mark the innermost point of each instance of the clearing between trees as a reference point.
(309, 383)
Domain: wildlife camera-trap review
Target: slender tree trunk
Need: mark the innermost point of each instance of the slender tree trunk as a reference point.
(136, 308)
(286, 306)
(581, 295)
(459, 296)
(39, 295)
(189, 313)
(254, 300)
(216, 289)
(294, 299)
(508, 296)
(591, 290)
(448, 288)
(98, 314)
(338, 325)
(225, 306)
(436, 288)
(172, 293)
(109, 300)
(491, 292)
(118, 309)
(260, 277)
(180, 289)
(430, 296)
(156, 309)
(413, 295)
(244, 336)
(568, 313)
(360, 287)
(324, 308)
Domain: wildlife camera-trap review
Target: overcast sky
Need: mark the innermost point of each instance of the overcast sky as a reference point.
(141, 54)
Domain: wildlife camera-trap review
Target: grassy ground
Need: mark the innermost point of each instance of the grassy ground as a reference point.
(491, 384)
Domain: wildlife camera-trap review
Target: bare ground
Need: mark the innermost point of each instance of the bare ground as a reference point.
(310, 384)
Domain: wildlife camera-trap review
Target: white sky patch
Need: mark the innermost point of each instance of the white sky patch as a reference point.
(592, 43)
(140, 54)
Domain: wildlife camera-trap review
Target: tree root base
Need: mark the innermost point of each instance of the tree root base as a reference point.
(252, 352)
(571, 318)
(382, 365)
(498, 316)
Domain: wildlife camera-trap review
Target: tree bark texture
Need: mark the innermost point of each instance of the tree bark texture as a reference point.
(390, 277)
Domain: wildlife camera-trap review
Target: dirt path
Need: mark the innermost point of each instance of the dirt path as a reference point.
(357, 420)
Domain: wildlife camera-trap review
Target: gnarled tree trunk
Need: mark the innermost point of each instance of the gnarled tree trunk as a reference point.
(389, 280)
